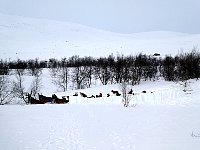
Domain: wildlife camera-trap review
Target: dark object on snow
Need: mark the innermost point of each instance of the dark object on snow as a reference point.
(83, 94)
(130, 92)
(45, 98)
(156, 54)
(34, 101)
(76, 94)
(114, 92)
(144, 91)
(108, 95)
(100, 95)
(60, 101)
(118, 94)
(91, 96)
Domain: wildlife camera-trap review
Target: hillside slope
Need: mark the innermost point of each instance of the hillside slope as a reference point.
(25, 38)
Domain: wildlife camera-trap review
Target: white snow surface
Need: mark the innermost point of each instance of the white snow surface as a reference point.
(28, 38)
(164, 118)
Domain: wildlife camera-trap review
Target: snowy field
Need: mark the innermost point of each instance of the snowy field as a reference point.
(163, 118)
(167, 119)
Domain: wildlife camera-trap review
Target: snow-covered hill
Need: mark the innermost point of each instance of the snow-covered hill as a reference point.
(25, 38)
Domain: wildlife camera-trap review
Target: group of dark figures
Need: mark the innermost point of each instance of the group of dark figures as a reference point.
(65, 99)
(85, 96)
(44, 99)
(116, 93)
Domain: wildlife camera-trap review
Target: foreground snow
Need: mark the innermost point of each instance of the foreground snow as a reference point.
(81, 127)
(167, 119)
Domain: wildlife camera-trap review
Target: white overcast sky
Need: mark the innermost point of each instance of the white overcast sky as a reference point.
(123, 16)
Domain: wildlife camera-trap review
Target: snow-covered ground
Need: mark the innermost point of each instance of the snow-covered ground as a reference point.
(84, 127)
(28, 38)
(166, 119)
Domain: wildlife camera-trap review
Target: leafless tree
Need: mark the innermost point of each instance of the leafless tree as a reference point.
(103, 74)
(89, 70)
(126, 98)
(35, 86)
(18, 86)
(35, 71)
(19, 89)
(60, 77)
(34, 67)
(79, 76)
(5, 91)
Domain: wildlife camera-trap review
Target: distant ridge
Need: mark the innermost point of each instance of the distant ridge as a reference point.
(26, 38)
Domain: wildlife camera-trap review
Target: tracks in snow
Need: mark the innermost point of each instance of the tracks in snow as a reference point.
(65, 134)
